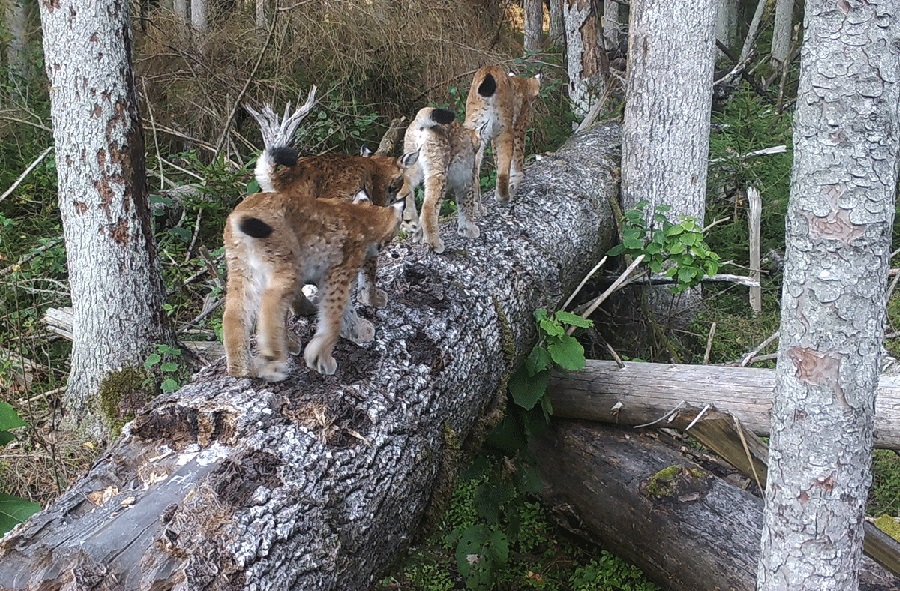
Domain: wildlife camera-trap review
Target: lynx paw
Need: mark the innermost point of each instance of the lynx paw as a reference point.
(410, 227)
(373, 297)
(272, 370)
(468, 230)
(318, 358)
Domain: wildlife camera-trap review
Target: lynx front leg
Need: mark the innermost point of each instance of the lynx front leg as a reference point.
(516, 168)
(435, 186)
(368, 293)
(271, 338)
(236, 323)
(335, 292)
(466, 212)
(503, 149)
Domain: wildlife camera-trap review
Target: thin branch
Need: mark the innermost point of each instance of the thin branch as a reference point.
(717, 278)
(27, 257)
(583, 281)
(602, 297)
(22, 176)
(665, 417)
(746, 359)
(709, 342)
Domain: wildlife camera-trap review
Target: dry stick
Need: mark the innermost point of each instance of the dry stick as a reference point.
(583, 281)
(755, 216)
(716, 223)
(22, 176)
(717, 278)
(593, 113)
(27, 257)
(190, 248)
(759, 348)
(184, 170)
(600, 299)
(709, 341)
(753, 31)
(162, 174)
(740, 431)
(665, 417)
(240, 96)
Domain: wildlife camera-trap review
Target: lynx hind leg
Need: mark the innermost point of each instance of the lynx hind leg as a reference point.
(411, 223)
(435, 186)
(236, 321)
(466, 212)
(503, 149)
(335, 292)
(271, 337)
(368, 293)
(517, 168)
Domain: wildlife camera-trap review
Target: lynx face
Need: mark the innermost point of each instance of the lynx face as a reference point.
(446, 162)
(498, 108)
(338, 176)
(274, 244)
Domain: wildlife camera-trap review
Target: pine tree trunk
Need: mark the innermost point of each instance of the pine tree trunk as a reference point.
(557, 32)
(317, 483)
(199, 22)
(114, 278)
(781, 34)
(16, 25)
(534, 25)
(586, 61)
(665, 142)
(839, 220)
(611, 25)
(726, 22)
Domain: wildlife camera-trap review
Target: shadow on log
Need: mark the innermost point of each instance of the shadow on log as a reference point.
(318, 482)
(648, 497)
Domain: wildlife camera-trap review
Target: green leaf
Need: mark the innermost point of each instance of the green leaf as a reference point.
(9, 418)
(169, 367)
(685, 274)
(499, 545)
(551, 327)
(616, 250)
(6, 437)
(538, 360)
(567, 352)
(573, 319)
(152, 360)
(632, 242)
(712, 267)
(689, 238)
(15, 510)
(169, 385)
(677, 248)
(527, 390)
(653, 248)
(675, 230)
(656, 266)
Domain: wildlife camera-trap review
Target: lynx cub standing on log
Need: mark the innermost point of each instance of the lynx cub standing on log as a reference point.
(274, 244)
(446, 161)
(498, 108)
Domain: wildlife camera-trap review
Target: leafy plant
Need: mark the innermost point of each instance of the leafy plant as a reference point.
(166, 362)
(678, 249)
(13, 510)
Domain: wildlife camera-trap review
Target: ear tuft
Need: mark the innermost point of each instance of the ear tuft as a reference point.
(409, 159)
(488, 86)
(361, 197)
(443, 116)
(365, 151)
(285, 155)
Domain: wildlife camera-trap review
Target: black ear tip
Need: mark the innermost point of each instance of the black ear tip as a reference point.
(488, 86)
(285, 155)
(443, 116)
(255, 228)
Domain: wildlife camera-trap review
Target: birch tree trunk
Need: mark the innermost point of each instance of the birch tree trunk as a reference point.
(611, 23)
(781, 34)
(16, 26)
(199, 22)
(726, 22)
(115, 282)
(261, 22)
(316, 483)
(180, 7)
(840, 215)
(534, 25)
(557, 32)
(665, 142)
(586, 60)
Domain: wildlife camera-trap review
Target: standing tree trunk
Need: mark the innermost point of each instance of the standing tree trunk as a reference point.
(16, 19)
(199, 23)
(781, 35)
(557, 33)
(586, 61)
(840, 215)
(726, 22)
(261, 22)
(180, 8)
(534, 25)
(115, 282)
(665, 143)
(611, 33)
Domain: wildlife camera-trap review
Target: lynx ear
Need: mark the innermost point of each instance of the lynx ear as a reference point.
(365, 151)
(409, 159)
(361, 197)
(539, 77)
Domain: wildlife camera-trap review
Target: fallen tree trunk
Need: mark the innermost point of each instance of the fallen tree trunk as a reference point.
(318, 482)
(649, 498)
(641, 393)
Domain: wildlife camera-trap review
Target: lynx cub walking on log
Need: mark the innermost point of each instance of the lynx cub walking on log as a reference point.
(274, 244)
(498, 108)
(446, 161)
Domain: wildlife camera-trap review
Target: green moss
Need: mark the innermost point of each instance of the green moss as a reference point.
(889, 525)
(662, 484)
(121, 393)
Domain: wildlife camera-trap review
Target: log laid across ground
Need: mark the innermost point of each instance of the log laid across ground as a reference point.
(318, 482)
(641, 393)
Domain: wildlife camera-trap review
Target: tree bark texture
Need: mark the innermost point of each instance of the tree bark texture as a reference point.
(114, 277)
(181, 10)
(16, 27)
(660, 506)
(318, 482)
(557, 31)
(586, 60)
(781, 33)
(534, 25)
(199, 20)
(726, 21)
(261, 21)
(839, 220)
(642, 393)
(612, 33)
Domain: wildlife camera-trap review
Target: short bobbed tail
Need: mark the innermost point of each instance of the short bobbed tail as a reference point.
(255, 227)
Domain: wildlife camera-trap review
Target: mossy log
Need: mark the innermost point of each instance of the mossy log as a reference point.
(673, 512)
(319, 482)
